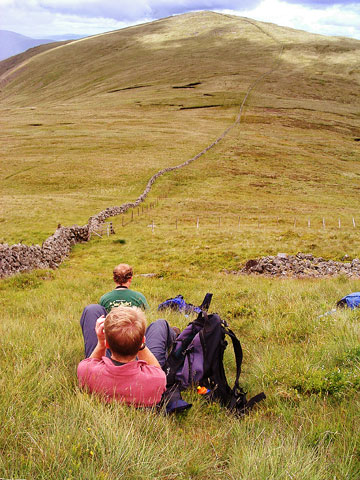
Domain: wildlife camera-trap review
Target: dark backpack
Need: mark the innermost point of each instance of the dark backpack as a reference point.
(197, 359)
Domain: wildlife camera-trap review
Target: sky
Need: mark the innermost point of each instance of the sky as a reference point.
(46, 18)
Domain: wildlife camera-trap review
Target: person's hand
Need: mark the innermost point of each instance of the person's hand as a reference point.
(99, 350)
(100, 332)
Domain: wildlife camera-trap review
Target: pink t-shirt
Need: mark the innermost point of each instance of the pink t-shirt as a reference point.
(135, 383)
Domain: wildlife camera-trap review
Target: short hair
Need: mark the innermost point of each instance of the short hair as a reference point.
(122, 273)
(125, 329)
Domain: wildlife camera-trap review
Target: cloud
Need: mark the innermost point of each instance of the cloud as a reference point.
(323, 3)
(37, 22)
(43, 18)
(125, 10)
(333, 20)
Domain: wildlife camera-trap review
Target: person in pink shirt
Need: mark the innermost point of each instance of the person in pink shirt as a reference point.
(121, 366)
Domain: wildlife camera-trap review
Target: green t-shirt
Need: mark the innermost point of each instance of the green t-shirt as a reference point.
(123, 296)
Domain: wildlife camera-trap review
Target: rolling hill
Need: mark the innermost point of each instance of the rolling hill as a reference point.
(109, 105)
(84, 126)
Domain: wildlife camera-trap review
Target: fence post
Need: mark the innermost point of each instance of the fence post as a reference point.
(309, 223)
(323, 222)
(339, 223)
(197, 223)
(354, 222)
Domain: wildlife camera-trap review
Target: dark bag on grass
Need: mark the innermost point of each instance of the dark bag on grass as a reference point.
(352, 300)
(197, 359)
(178, 304)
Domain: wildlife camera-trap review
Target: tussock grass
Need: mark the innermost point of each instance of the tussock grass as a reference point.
(308, 367)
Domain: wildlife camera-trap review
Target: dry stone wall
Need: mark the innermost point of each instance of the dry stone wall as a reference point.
(23, 258)
(20, 258)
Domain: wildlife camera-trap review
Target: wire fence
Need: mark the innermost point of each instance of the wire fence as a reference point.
(210, 220)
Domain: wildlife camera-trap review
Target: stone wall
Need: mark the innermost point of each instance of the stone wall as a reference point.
(23, 258)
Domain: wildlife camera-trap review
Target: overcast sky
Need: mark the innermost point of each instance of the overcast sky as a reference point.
(44, 18)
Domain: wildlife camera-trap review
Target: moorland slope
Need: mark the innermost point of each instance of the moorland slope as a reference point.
(84, 126)
(87, 123)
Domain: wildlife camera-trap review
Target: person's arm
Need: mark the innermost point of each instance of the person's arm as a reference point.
(149, 357)
(100, 349)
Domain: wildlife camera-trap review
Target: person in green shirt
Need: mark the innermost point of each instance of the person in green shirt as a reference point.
(122, 295)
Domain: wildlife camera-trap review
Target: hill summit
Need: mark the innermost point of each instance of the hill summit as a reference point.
(181, 50)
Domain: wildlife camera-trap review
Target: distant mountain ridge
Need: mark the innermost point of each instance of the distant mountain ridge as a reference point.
(12, 43)
(67, 36)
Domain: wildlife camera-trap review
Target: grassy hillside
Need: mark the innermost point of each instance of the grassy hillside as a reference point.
(71, 115)
(84, 126)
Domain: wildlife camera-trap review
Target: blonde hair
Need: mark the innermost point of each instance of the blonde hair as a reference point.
(122, 273)
(125, 329)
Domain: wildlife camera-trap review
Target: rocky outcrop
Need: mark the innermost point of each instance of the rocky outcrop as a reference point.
(302, 265)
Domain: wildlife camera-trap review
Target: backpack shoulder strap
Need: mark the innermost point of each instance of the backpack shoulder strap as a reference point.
(206, 302)
(238, 353)
(177, 354)
(238, 400)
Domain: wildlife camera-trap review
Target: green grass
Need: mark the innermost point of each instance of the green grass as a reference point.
(308, 367)
(71, 149)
